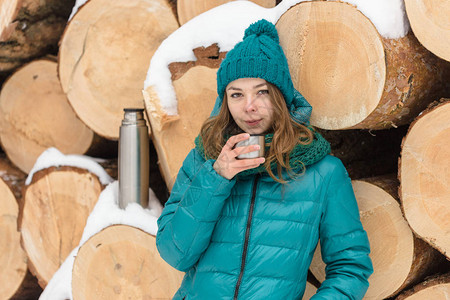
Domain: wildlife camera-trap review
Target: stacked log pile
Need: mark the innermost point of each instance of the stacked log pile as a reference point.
(73, 102)
(382, 103)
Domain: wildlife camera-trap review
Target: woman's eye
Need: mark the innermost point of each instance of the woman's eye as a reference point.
(235, 95)
(263, 92)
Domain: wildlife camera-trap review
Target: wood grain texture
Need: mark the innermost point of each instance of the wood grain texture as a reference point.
(188, 9)
(353, 77)
(431, 25)
(424, 175)
(35, 115)
(104, 57)
(56, 206)
(122, 262)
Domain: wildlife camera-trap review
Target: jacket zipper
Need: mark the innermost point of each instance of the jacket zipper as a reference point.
(247, 237)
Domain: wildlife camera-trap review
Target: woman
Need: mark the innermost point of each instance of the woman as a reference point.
(248, 228)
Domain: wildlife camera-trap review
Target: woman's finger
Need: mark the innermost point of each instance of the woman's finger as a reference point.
(248, 163)
(232, 141)
(245, 149)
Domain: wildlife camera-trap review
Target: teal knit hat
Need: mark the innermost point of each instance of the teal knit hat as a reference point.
(259, 55)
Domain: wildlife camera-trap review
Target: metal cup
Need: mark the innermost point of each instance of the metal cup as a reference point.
(254, 139)
(133, 158)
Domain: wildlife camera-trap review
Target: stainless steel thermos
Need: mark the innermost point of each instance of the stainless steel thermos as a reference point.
(133, 158)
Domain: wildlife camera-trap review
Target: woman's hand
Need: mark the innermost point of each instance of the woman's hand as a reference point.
(227, 165)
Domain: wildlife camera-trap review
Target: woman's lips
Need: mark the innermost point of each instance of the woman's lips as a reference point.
(253, 122)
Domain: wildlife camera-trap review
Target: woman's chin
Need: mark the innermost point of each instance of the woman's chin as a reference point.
(254, 131)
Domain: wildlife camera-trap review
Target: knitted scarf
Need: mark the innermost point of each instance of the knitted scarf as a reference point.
(300, 157)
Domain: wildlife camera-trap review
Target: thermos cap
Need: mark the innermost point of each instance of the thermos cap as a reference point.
(133, 116)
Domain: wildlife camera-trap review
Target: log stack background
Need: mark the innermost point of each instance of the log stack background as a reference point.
(64, 85)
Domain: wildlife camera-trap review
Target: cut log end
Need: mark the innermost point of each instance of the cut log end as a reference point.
(352, 76)
(56, 206)
(425, 176)
(430, 22)
(35, 115)
(102, 66)
(331, 33)
(187, 10)
(174, 139)
(13, 258)
(121, 262)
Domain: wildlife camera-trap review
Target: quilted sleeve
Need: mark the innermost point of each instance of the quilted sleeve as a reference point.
(189, 216)
(344, 243)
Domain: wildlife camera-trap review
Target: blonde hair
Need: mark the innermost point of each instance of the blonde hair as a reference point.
(287, 134)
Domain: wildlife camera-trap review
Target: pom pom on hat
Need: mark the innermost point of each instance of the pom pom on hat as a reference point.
(262, 27)
(259, 55)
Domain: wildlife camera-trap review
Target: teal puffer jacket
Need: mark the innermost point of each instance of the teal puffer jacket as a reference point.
(251, 238)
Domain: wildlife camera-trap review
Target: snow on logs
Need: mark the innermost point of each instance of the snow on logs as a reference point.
(35, 115)
(122, 262)
(29, 29)
(56, 205)
(351, 75)
(174, 139)
(424, 173)
(104, 55)
(188, 9)
(399, 258)
(430, 23)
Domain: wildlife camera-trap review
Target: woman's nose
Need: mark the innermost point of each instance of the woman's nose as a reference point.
(250, 104)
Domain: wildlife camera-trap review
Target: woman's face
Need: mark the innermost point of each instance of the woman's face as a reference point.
(250, 104)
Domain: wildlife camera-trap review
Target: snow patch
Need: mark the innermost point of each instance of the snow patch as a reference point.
(52, 157)
(75, 8)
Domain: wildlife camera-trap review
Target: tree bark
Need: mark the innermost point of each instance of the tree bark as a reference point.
(122, 262)
(29, 29)
(102, 66)
(399, 258)
(188, 9)
(35, 115)
(429, 22)
(353, 77)
(436, 287)
(424, 176)
(56, 206)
